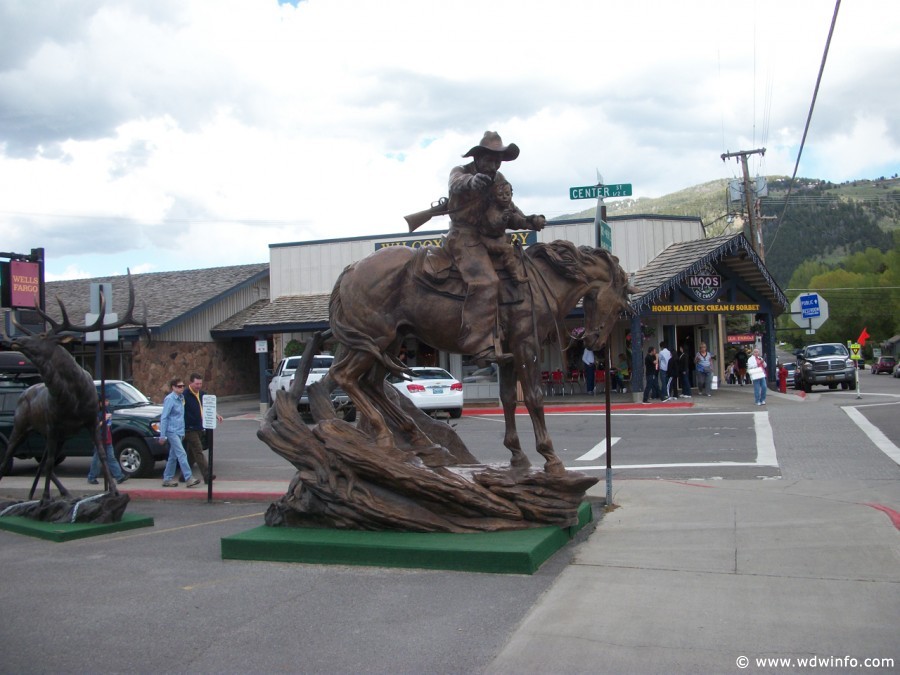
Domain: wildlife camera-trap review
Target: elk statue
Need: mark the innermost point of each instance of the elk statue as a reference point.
(66, 401)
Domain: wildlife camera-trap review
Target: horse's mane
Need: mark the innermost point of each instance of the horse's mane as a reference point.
(569, 261)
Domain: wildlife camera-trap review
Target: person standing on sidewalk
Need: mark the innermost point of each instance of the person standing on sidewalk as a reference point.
(588, 360)
(703, 365)
(684, 371)
(665, 356)
(651, 366)
(171, 429)
(194, 433)
(756, 368)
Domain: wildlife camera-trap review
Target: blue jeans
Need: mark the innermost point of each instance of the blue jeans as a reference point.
(651, 389)
(704, 382)
(759, 390)
(685, 384)
(176, 455)
(111, 461)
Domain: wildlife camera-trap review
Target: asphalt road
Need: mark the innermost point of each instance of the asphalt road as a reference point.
(163, 600)
(723, 437)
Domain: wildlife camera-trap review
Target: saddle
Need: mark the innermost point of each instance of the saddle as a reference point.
(433, 268)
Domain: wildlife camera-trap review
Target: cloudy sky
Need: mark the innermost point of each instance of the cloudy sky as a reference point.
(183, 134)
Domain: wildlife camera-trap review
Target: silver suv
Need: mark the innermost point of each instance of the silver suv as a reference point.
(826, 364)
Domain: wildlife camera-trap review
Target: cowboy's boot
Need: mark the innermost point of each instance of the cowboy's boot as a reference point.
(479, 316)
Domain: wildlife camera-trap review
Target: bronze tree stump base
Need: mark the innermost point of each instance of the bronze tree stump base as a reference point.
(345, 481)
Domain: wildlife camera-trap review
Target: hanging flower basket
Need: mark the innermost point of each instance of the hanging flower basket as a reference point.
(578, 333)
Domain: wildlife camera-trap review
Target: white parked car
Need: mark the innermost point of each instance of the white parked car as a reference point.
(432, 389)
(283, 375)
(284, 380)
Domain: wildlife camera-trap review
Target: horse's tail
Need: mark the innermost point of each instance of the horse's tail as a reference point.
(350, 337)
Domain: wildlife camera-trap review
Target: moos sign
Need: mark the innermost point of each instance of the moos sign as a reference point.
(705, 283)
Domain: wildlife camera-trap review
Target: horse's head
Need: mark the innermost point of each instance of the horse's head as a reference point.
(593, 275)
(606, 299)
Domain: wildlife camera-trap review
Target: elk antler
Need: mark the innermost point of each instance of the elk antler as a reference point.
(67, 326)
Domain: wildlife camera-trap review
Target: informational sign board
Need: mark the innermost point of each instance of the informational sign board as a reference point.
(600, 191)
(209, 411)
(262, 347)
(108, 335)
(809, 310)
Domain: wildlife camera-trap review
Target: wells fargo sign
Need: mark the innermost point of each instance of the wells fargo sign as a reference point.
(526, 238)
(693, 307)
(21, 283)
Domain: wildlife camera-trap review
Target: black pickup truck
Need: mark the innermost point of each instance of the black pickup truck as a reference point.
(827, 364)
(134, 425)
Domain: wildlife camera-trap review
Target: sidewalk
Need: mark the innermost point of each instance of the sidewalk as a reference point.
(686, 577)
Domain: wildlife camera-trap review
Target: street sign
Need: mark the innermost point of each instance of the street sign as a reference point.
(809, 306)
(605, 236)
(600, 191)
(809, 310)
(111, 335)
(854, 352)
(209, 411)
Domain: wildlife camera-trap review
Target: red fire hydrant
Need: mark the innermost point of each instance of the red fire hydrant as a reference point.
(782, 380)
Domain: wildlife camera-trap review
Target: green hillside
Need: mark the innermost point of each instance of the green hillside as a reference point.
(824, 222)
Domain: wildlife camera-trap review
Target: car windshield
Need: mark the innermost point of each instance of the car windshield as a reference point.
(291, 364)
(123, 395)
(321, 363)
(826, 350)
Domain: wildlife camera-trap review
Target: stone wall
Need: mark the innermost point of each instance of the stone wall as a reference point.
(228, 368)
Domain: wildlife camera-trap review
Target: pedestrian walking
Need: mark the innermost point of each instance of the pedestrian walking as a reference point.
(171, 429)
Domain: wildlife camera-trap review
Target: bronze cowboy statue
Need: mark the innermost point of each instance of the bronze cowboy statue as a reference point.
(481, 209)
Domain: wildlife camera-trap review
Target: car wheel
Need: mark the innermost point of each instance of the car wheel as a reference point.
(134, 458)
(844, 385)
(456, 413)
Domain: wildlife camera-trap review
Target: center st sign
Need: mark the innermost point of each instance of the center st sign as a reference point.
(600, 191)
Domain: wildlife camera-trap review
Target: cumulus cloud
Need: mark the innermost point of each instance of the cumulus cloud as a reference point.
(195, 133)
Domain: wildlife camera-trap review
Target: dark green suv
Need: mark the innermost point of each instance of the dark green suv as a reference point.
(135, 426)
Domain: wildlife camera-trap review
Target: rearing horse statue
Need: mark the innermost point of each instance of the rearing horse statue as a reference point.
(379, 300)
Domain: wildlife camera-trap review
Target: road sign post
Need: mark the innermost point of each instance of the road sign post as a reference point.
(601, 192)
(210, 421)
(810, 311)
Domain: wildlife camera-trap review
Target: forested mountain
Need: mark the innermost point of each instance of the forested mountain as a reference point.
(823, 222)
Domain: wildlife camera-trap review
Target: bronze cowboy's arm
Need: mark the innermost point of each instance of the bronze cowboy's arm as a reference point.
(533, 222)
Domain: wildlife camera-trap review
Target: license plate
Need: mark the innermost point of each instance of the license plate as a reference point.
(829, 378)
(437, 390)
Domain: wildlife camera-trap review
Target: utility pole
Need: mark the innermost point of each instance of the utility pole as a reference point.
(755, 225)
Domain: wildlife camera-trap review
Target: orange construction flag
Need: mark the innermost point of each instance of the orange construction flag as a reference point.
(863, 337)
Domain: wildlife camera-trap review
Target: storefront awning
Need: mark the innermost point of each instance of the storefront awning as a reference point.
(731, 255)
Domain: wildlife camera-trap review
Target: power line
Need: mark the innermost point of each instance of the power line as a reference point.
(812, 105)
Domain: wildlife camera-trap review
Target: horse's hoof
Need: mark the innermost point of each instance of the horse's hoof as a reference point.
(520, 462)
(554, 467)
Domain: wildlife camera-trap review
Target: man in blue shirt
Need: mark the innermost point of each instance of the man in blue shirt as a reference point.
(171, 429)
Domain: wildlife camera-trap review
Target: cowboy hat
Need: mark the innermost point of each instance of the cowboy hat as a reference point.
(492, 141)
